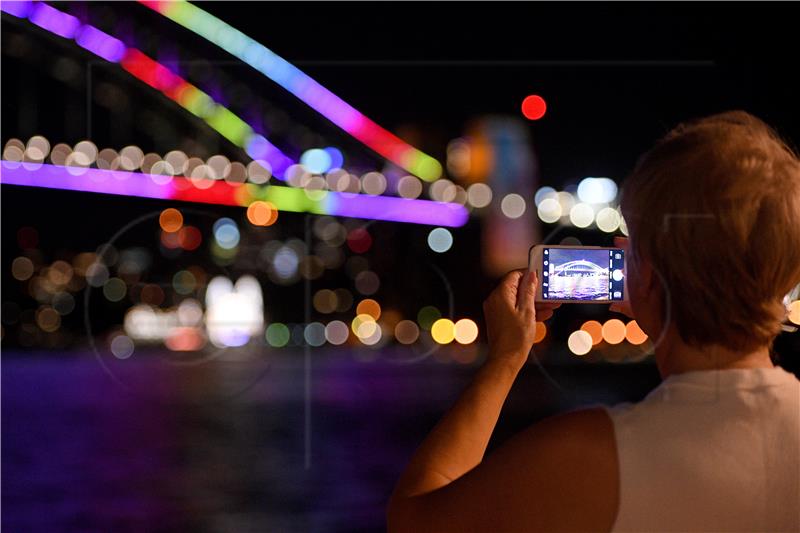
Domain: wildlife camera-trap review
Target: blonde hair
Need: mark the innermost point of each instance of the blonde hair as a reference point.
(715, 207)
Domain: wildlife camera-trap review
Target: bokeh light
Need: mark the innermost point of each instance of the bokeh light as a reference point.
(443, 331)
(226, 233)
(85, 153)
(364, 326)
(465, 331)
(344, 300)
(316, 161)
(359, 240)
(513, 205)
(277, 335)
(549, 210)
(261, 213)
(597, 190)
(440, 240)
(409, 187)
(131, 157)
(177, 161)
(38, 148)
(336, 155)
(566, 200)
(48, 319)
(542, 193)
(170, 220)
(427, 316)
(63, 303)
(581, 215)
(259, 171)
(219, 165)
(189, 238)
(314, 334)
(794, 312)
(96, 274)
(337, 332)
(152, 294)
(479, 195)
(634, 334)
(595, 329)
(540, 333)
(534, 107)
(374, 338)
(184, 339)
(122, 347)
(608, 219)
(406, 332)
(367, 282)
(369, 307)
(373, 183)
(579, 342)
(325, 301)
(623, 227)
(22, 268)
(614, 331)
(184, 282)
(114, 289)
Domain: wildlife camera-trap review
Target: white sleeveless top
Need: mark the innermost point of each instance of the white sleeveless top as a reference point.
(711, 451)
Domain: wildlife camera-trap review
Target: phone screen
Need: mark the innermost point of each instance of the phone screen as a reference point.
(583, 274)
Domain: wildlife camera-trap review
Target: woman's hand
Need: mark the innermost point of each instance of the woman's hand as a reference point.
(511, 314)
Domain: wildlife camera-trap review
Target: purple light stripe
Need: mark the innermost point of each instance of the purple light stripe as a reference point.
(89, 180)
(18, 9)
(54, 20)
(101, 44)
(396, 209)
(135, 184)
(258, 147)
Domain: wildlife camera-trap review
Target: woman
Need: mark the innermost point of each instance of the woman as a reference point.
(713, 212)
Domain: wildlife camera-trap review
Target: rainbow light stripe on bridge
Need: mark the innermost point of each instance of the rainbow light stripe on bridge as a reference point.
(179, 188)
(156, 75)
(300, 85)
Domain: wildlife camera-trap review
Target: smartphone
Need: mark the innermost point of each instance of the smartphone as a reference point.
(578, 274)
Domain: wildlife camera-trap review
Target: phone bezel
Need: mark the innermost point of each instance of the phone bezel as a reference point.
(535, 254)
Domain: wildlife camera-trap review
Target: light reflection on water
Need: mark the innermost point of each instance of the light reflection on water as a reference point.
(578, 287)
(81, 454)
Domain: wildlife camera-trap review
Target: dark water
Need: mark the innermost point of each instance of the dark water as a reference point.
(227, 446)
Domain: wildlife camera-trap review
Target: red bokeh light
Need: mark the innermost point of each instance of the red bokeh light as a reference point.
(359, 240)
(534, 107)
(189, 238)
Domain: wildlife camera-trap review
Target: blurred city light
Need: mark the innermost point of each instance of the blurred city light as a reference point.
(579, 342)
(533, 107)
(440, 240)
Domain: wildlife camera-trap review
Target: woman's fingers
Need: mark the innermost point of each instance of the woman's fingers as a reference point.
(526, 292)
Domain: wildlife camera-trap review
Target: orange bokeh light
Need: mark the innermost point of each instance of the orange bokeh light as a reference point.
(261, 213)
(541, 332)
(614, 331)
(369, 307)
(595, 329)
(634, 334)
(170, 220)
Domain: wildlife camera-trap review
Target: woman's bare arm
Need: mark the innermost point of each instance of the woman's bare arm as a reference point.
(447, 484)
